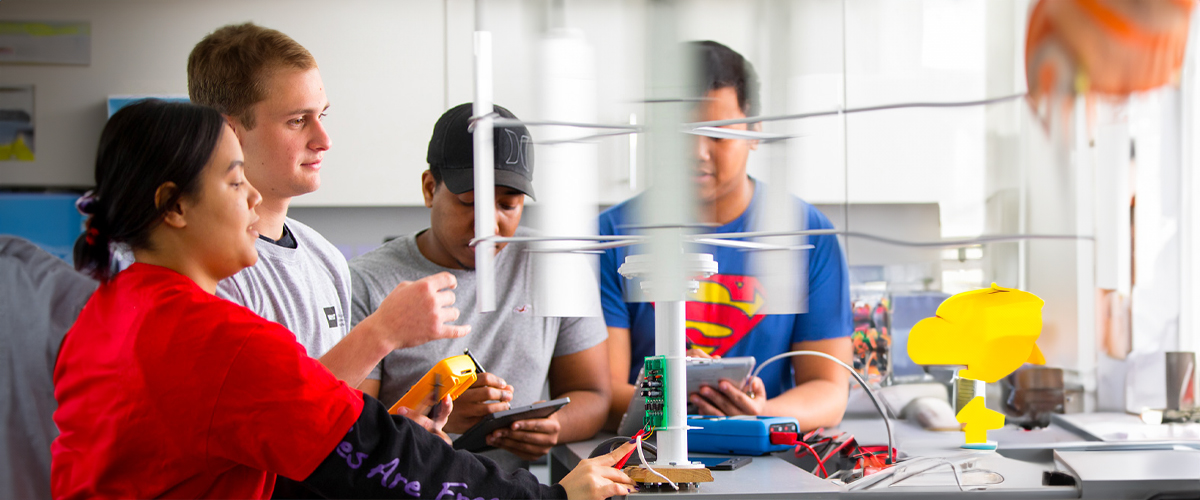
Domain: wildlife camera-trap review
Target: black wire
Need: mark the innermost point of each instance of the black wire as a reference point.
(608, 445)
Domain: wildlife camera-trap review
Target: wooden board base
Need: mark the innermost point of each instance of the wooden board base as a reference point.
(677, 475)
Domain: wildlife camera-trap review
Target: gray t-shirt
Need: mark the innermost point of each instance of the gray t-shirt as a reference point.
(40, 298)
(512, 342)
(306, 289)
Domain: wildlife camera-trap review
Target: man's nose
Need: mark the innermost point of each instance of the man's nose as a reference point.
(255, 197)
(320, 139)
(702, 148)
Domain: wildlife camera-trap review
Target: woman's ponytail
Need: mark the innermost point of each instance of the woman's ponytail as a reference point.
(92, 253)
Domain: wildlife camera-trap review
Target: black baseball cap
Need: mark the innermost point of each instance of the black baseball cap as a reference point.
(452, 152)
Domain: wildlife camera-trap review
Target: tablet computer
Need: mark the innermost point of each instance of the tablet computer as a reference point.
(475, 439)
(700, 371)
(710, 371)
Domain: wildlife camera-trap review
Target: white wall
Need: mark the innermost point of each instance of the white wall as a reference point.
(381, 62)
(391, 67)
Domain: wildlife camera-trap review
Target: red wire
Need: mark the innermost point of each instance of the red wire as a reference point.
(836, 449)
(890, 457)
(820, 463)
(621, 463)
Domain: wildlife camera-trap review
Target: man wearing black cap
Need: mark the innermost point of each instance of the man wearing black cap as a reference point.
(520, 349)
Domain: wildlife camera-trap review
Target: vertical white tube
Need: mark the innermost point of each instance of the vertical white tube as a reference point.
(781, 274)
(485, 193)
(669, 206)
(566, 284)
(672, 442)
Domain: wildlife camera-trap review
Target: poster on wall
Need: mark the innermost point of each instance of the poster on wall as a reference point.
(16, 123)
(116, 102)
(33, 42)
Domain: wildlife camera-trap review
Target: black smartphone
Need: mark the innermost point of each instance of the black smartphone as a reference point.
(722, 463)
(475, 439)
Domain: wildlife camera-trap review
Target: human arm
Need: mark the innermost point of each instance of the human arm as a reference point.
(412, 314)
(386, 456)
(580, 376)
(370, 387)
(338, 441)
(619, 353)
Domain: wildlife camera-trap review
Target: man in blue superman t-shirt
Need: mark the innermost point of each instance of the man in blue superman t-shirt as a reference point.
(724, 317)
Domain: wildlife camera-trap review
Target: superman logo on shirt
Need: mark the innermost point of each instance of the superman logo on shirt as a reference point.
(722, 311)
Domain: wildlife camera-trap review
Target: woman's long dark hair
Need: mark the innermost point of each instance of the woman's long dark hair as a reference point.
(143, 146)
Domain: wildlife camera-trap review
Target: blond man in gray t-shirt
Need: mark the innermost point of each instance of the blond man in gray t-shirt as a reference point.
(528, 357)
(270, 91)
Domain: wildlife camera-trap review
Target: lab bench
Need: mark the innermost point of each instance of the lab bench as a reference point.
(1066, 450)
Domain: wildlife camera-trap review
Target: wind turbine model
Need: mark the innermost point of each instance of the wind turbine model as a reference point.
(668, 271)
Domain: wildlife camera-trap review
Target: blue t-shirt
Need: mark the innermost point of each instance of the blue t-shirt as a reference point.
(724, 317)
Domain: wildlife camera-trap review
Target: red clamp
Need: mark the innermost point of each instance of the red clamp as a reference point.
(784, 438)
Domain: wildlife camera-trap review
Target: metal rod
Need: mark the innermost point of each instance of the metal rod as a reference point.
(527, 239)
(512, 122)
(881, 107)
(998, 238)
(485, 192)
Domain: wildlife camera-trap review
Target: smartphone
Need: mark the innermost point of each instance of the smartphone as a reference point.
(475, 439)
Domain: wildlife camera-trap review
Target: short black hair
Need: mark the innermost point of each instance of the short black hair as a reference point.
(436, 173)
(722, 67)
(142, 147)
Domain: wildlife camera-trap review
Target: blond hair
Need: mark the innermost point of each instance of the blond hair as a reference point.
(228, 69)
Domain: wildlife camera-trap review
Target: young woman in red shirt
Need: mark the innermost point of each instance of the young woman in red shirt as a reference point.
(165, 390)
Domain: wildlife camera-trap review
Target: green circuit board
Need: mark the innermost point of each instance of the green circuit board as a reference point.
(654, 390)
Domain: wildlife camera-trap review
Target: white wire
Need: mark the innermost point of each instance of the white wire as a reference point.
(866, 387)
(649, 468)
(896, 478)
(893, 472)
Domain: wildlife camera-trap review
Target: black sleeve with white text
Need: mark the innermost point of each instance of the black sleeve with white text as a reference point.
(386, 456)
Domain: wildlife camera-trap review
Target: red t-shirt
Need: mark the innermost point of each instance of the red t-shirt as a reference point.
(167, 391)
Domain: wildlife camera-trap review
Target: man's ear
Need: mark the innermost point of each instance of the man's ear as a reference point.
(428, 186)
(173, 214)
(757, 127)
(236, 125)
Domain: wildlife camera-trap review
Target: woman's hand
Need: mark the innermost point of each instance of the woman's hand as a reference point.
(596, 479)
(438, 420)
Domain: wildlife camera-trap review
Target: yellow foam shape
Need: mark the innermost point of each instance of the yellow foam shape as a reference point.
(991, 331)
(977, 419)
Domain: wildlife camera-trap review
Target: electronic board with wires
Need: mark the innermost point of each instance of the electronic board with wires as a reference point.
(653, 389)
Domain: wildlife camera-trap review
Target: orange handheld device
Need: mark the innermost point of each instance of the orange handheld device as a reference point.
(451, 376)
